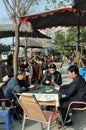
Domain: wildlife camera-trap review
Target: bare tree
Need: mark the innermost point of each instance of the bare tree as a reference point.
(16, 9)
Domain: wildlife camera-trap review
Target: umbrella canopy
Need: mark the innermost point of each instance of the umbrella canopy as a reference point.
(37, 50)
(61, 17)
(49, 45)
(80, 5)
(30, 43)
(8, 31)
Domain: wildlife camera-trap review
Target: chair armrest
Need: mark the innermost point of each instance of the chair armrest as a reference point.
(53, 114)
(77, 102)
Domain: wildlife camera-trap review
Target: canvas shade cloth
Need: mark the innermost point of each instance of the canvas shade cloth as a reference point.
(80, 4)
(49, 45)
(7, 30)
(61, 17)
(30, 43)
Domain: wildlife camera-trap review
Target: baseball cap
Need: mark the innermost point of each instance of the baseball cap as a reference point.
(53, 66)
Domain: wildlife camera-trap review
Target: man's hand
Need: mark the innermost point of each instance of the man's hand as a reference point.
(33, 86)
(47, 82)
(57, 87)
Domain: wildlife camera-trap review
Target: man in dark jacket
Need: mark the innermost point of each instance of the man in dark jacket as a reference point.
(75, 91)
(52, 76)
(16, 84)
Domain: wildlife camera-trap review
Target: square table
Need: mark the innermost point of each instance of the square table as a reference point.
(46, 95)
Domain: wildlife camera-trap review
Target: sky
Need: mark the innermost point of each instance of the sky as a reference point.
(4, 19)
(3, 15)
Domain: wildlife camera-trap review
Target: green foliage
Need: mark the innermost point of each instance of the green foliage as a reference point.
(72, 33)
(59, 39)
(62, 40)
(60, 3)
(83, 32)
(4, 48)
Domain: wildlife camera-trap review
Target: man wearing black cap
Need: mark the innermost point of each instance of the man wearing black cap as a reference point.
(52, 76)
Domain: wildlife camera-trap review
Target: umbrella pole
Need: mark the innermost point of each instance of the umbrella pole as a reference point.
(25, 47)
(78, 43)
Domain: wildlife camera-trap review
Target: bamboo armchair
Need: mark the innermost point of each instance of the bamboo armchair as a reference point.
(33, 111)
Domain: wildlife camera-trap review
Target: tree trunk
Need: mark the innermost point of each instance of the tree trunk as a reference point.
(17, 42)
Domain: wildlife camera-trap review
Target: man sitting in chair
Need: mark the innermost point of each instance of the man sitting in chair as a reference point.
(75, 91)
(17, 84)
(52, 76)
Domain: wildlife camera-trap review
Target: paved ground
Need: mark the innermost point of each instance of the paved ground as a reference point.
(79, 118)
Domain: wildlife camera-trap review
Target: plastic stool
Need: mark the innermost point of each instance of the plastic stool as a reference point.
(6, 113)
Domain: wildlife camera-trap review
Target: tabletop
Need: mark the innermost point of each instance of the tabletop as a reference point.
(46, 89)
(46, 93)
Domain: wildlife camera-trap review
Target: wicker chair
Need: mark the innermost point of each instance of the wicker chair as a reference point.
(33, 111)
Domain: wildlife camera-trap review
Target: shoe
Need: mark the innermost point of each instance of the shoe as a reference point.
(69, 122)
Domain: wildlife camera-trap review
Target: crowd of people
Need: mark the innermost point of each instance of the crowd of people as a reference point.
(42, 70)
(35, 67)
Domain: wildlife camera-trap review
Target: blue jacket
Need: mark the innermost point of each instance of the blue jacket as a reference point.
(14, 85)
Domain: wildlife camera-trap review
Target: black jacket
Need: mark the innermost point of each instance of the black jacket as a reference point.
(76, 90)
(48, 76)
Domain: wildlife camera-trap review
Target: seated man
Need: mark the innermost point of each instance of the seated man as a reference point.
(75, 91)
(52, 76)
(16, 84)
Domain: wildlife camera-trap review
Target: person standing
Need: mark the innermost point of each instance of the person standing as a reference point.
(10, 65)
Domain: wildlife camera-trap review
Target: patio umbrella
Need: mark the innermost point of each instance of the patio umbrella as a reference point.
(49, 46)
(31, 43)
(80, 4)
(7, 30)
(61, 17)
